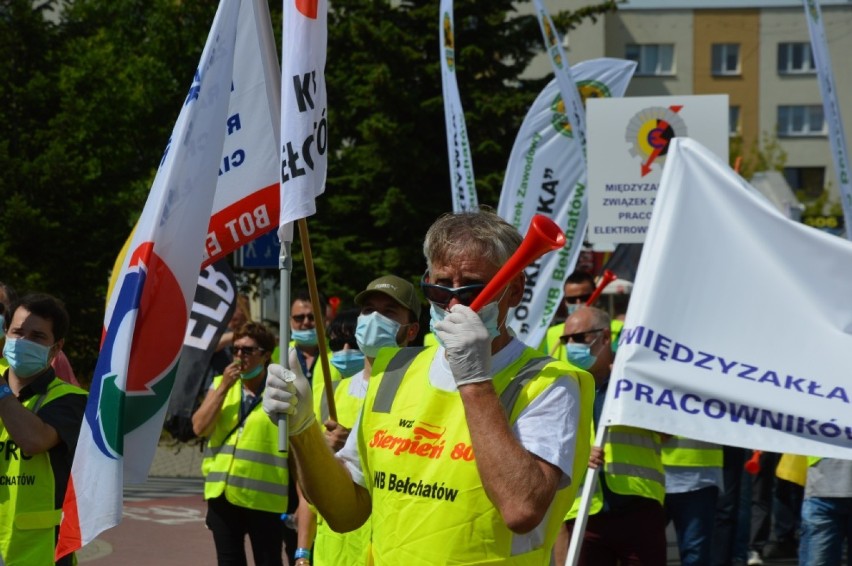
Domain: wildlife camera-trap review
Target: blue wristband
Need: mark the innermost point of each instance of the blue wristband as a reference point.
(5, 391)
(302, 553)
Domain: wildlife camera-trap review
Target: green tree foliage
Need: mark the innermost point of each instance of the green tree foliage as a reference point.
(89, 98)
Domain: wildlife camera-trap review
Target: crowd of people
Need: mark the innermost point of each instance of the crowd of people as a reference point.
(470, 449)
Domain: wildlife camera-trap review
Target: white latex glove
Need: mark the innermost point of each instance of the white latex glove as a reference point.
(468, 345)
(290, 394)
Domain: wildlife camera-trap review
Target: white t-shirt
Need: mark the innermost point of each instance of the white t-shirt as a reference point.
(547, 427)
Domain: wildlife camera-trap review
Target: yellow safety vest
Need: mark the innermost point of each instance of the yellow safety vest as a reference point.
(332, 548)
(28, 516)
(245, 463)
(632, 464)
(687, 452)
(429, 504)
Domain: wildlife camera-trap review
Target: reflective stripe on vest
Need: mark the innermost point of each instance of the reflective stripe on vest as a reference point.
(27, 508)
(633, 465)
(688, 452)
(245, 465)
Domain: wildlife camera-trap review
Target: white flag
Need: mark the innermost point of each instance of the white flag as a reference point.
(462, 182)
(546, 175)
(247, 198)
(147, 314)
(304, 112)
(740, 322)
(831, 108)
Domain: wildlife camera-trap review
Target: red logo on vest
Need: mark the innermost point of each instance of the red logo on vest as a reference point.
(307, 8)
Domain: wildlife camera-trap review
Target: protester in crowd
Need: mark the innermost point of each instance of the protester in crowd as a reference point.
(246, 478)
(727, 525)
(578, 288)
(693, 479)
(303, 331)
(463, 453)
(627, 522)
(40, 420)
(390, 309)
(775, 510)
(224, 355)
(827, 513)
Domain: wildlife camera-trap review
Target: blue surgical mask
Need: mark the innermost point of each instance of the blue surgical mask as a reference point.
(26, 357)
(304, 337)
(374, 332)
(580, 355)
(348, 362)
(436, 315)
(253, 373)
(488, 314)
(573, 308)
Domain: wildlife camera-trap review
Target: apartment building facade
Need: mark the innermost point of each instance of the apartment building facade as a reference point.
(756, 51)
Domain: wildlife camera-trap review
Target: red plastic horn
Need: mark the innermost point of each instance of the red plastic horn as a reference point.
(752, 466)
(542, 237)
(607, 278)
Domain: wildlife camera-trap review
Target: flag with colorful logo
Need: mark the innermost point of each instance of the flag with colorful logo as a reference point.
(740, 321)
(304, 111)
(546, 175)
(146, 318)
(831, 108)
(462, 182)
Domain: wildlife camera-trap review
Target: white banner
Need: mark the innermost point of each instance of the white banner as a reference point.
(831, 108)
(147, 313)
(462, 182)
(740, 323)
(304, 109)
(546, 175)
(246, 203)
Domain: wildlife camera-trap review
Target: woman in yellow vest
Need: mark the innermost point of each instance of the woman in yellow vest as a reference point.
(246, 478)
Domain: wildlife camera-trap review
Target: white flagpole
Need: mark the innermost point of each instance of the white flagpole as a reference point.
(831, 108)
(585, 503)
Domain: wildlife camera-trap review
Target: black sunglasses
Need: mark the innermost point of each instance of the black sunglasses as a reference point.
(247, 350)
(300, 318)
(441, 295)
(583, 299)
(336, 343)
(579, 337)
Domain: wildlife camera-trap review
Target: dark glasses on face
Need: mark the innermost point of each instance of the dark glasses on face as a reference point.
(582, 299)
(247, 350)
(441, 295)
(579, 337)
(300, 318)
(337, 342)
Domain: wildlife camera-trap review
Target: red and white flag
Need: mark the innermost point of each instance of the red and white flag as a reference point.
(148, 310)
(304, 111)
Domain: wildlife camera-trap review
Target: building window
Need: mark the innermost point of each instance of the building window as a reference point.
(796, 121)
(726, 59)
(651, 58)
(795, 58)
(808, 179)
(733, 121)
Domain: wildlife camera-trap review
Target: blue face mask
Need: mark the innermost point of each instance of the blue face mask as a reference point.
(304, 337)
(253, 373)
(488, 314)
(374, 332)
(581, 355)
(348, 362)
(25, 357)
(573, 308)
